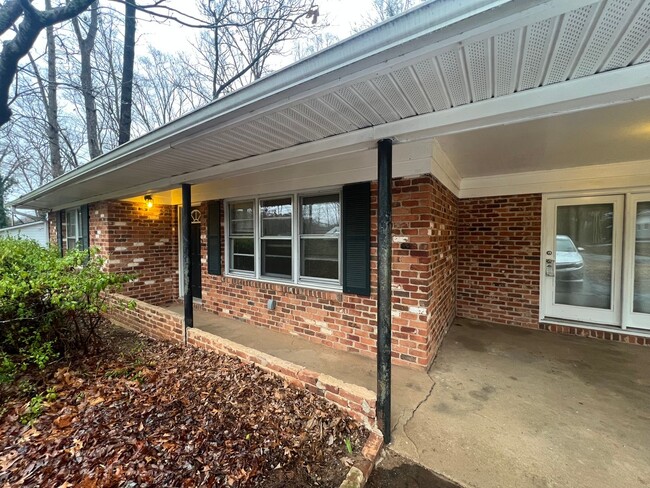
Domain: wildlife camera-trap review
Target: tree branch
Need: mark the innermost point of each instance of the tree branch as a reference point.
(34, 21)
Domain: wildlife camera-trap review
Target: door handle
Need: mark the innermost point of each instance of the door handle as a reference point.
(550, 267)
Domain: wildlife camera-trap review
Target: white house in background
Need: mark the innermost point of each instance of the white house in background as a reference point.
(33, 230)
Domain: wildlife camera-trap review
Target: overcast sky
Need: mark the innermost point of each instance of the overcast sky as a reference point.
(341, 15)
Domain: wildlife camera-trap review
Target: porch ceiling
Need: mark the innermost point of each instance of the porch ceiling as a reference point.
(612, 134)
(435, 59)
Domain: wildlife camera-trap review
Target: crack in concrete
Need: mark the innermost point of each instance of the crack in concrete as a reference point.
(406, 434)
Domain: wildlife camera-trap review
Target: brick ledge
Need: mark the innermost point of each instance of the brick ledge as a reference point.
(359, 474)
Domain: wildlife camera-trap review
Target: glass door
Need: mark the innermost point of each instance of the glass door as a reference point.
(637, 266)
(582, 258)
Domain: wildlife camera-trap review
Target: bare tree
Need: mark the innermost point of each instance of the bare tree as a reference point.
(244, 35)
(313, 44)
(383, 10)
(128, 62)
(86, 48)
(32, 23)
(162, 90)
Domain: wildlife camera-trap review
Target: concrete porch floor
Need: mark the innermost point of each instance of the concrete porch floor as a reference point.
(501, 406)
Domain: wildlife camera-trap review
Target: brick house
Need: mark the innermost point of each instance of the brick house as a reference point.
(520, 156)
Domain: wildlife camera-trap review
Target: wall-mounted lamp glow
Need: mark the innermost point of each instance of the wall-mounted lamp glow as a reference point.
(148, 201)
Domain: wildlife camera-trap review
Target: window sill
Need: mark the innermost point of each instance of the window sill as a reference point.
(291, 286)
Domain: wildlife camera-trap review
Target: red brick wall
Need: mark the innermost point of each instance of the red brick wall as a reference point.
(498, 259)
(424, 253)
(139, 241)
(444, 265)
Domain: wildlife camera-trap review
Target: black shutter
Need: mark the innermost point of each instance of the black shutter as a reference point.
(59, 230)
(85, 224)
(214, 238)
(356, 238)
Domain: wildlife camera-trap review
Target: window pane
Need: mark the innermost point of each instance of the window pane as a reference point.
(321, 215)
(276, 258)
(583, 255)
(642, 259)
(242, 254)
(243, 246)
(320, 258)
(243, 263)
(241, 218)
(276, 217)
(71, 243)
(71, 221)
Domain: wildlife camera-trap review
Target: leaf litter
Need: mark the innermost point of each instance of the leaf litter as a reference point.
(150, 413)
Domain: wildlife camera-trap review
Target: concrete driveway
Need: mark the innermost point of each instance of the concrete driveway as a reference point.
(520, 408)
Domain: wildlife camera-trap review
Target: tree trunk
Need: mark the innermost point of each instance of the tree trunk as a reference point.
(52, 106)
(86, 47)
(128, 61)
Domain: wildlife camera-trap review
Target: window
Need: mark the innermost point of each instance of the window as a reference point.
(291, 238)
(72, 229)
(242, 232)
(276, 223)
(319, 237)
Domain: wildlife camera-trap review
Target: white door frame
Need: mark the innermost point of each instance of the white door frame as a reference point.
(548, 308)
(630, 317)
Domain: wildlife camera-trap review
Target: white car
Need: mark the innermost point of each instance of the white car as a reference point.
(569, 265)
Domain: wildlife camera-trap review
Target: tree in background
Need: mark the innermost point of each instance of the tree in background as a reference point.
(383, 10)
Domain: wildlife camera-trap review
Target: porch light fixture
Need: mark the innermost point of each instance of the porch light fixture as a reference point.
(148, 201)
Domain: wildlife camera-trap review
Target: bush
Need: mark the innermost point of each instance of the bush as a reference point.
(49, 305)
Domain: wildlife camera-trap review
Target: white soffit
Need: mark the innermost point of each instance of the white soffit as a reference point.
(545, 43)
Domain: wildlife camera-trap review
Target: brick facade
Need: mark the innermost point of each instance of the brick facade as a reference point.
(139, 241)
(145, 242)
(498, 259)
(424, 259)
(477, 258)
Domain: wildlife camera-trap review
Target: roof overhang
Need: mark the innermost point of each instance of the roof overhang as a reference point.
(446, 67)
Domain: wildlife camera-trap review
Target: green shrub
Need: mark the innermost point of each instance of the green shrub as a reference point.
(49, 305)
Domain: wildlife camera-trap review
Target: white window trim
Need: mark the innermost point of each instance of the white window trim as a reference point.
(297, 279)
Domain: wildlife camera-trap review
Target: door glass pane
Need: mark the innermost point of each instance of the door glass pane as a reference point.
(583, 255)
(642, 259)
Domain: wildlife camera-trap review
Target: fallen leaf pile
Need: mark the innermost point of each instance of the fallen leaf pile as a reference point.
(166, 415)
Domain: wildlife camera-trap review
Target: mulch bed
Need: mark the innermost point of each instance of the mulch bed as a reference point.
(150, 413)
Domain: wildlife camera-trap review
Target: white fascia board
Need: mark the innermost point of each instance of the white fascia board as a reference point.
(395, 40)
(592, 178)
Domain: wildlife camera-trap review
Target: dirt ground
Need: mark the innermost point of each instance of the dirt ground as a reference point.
(395, 471)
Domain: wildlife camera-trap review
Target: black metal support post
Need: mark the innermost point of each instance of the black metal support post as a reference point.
(187, 254)
(384, 255)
